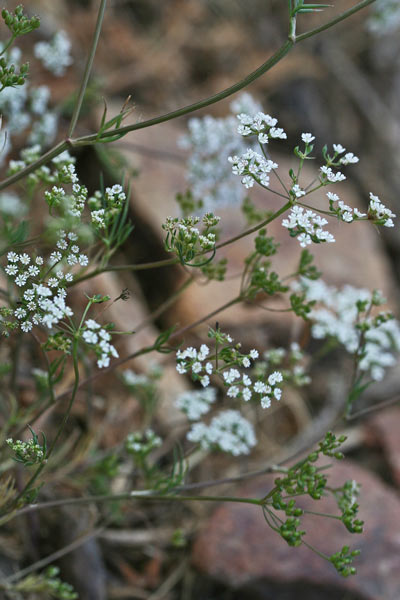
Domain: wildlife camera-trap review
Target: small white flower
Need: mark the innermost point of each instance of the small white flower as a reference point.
(196, 367)
(103, 362)
(92, 324)
(307, 138)
(265, 402)
(83, 260)
(12, 257)
(24, 259)
(205, 380)
(90, 337)
(339, 148)
(253, 354)
(26, 326)
(275, 377)
(260, 387)
(246, 394)
(233, 391)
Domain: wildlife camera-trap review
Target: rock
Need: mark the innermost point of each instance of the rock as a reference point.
(237, 548)
(385, 428)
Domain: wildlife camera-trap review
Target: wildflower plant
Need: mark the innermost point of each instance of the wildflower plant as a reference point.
(229, 386)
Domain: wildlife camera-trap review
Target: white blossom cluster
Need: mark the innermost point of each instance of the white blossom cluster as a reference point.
(228, 431)
(196, 403)
(329, 176)
(294, 370)
(114, 199)
(379, 213)
(209, 142)
(25, 106)
(142, 443)
(43, 294)
(385, 17)
(11, 205)
(337, 316)
(307, 226)
(184, 237)
(99, 340)
(252, 167)
(130, 378)
(261, 125)
(342, 210)
(55, 55)
(28, 452)
(238, 385)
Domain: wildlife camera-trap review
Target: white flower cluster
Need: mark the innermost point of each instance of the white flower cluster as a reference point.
(142, 443)
(328, 176)
(11, 205)
(131, 379)
(307, 226)
(243, 387)
(239, 385)
(99, 339)
(191, 359)
(295, 370)
(379, 213)
(337, 317)
(43, 294)
(29, 452)
(40, 303)
(342, 210)
(261, 125)
(68, 250)
(25, 106)
(196, 403)
(185, 238)
(252, 167)
(114, 199)
(385, 17)
(228, 431)
(209, 142)
(55, 55)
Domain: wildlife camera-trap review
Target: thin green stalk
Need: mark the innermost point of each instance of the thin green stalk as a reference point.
(139, 267)
(145, 495)
(88, 69)
(7, 45)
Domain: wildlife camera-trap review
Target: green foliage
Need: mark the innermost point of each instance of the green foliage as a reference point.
(46, 583)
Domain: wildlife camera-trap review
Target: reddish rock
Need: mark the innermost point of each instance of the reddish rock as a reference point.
(385, 427)
(237, 548)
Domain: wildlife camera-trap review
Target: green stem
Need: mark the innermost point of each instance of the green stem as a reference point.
(88, 69)
(6, 47)
(146, 495)
(140, 267)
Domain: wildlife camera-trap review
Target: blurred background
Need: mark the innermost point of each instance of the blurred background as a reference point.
(343, 86)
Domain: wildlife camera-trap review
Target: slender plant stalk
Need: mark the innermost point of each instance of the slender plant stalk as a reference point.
(88, 69)
(145, 495)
